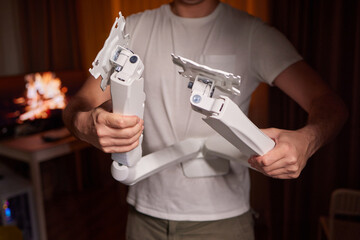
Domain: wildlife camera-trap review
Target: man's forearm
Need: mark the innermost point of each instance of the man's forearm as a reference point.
(75, 116)
(326, 117)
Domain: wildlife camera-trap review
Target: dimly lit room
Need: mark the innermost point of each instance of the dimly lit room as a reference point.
(57, 182)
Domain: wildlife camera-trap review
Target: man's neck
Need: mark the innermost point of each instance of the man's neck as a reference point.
(196, 10)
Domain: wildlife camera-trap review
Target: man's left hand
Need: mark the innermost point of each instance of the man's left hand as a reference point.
(289, 156)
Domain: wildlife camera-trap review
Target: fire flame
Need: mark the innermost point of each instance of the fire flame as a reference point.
(43, 93)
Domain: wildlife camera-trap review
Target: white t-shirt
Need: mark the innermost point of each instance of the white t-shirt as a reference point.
(228, 40)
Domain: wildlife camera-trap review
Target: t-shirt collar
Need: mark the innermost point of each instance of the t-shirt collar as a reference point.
(207, 18)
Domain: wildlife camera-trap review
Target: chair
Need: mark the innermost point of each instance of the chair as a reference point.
(344, 216)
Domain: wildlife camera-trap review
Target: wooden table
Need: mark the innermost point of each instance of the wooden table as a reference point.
(34, 150)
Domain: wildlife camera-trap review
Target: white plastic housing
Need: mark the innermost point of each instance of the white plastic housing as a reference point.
(217, 146)
(157, 161)
(233, 125)
(128, 98)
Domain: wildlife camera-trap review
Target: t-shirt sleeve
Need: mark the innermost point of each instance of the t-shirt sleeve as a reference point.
(271, 52)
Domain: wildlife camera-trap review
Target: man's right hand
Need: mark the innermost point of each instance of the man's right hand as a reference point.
(110, 132)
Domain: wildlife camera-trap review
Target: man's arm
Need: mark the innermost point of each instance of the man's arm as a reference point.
(88, 116)
(326, 115)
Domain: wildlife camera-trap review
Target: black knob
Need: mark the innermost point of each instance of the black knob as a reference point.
(133, 59)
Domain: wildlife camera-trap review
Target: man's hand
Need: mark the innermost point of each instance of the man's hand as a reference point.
(326, 115)
(289, 156)
(110, 132)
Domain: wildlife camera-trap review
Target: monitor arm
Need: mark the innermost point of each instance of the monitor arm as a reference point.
(221, 113)
(120, 68)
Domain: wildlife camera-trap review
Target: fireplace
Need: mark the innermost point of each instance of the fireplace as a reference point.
(18, 118)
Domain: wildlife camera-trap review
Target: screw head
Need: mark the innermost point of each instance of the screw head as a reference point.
(196, 98)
